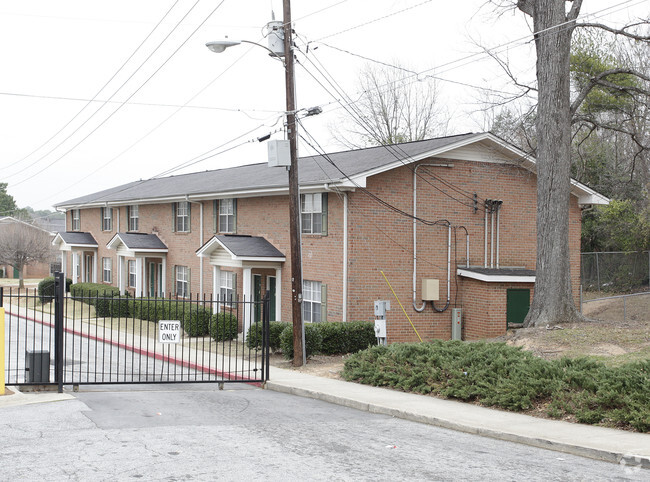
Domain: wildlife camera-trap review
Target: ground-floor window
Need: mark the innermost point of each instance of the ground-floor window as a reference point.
(227, 286)
(182, 281)
(133, 276)
(107, 270)
(311, 301)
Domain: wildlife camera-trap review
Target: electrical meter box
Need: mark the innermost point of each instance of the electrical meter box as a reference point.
(279, 153)
(430, 290)
(381, 306)
(456, 323)
(380, 328)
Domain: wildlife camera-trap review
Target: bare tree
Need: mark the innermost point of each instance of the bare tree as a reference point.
(395, 106)
(554, 24)
(22, 244)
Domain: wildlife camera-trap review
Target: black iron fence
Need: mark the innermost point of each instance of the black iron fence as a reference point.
(91, 338)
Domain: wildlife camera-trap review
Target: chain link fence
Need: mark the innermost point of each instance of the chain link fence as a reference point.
(615, 271)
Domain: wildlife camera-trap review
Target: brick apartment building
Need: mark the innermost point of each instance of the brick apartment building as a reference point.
(225, 233)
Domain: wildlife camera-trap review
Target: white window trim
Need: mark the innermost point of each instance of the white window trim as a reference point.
(227, 219)
(183, 216)
(107, 219)
(134, 221)
(227, 291)
(76, 220)
(133, 273)
(182, 277)
(309, 300)
(108, 261)
(310, 211)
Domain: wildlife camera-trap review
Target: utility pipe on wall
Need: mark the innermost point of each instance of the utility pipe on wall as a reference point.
(498, 204)
(345, 257)
(433, 303)
(485, 208)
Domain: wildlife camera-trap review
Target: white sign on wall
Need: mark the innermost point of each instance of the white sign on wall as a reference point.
(169, 331)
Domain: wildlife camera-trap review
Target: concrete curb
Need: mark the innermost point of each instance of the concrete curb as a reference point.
(20, 398)
(558, 446)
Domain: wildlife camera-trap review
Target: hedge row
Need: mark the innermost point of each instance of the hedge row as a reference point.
(320, 338)
(196, 320)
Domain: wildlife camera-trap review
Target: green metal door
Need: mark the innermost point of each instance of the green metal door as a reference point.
(518, 303)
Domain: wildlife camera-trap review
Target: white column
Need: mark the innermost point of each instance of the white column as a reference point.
(82, 262)
(248, 297)
(139, 275)
(278, 294)
(64, 264)
(75, 262)
(120, 273)
(95, 267)
(216, 284)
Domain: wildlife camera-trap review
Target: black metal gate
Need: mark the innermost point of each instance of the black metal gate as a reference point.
(90, 338)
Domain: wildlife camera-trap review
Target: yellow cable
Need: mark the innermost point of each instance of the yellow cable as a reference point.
(400, 304)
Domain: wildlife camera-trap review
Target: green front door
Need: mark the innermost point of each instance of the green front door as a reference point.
(152, 279)
(257, 296)
(518, 303)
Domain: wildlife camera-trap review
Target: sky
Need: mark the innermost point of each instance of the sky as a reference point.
(97, 94)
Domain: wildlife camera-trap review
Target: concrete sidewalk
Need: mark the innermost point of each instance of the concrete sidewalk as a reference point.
(616, 446)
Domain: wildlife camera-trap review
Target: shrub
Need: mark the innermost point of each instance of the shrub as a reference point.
(106, 299)
(254, 336)
(223, 326)
(194, 318)
(313, 339)
(342, 338)
(46, 288)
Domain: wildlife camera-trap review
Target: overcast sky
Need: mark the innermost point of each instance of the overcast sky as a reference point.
(174, 102)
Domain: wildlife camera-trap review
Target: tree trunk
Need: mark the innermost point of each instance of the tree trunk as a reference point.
(21, 281)
(553, 300)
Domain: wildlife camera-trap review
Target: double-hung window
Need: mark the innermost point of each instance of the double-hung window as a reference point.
(313, 301)
(107, 219)
(76, 220)
(182, 281)
(133, 217)
(227, 287)
(133, 276)
(181, 215)
(107, 270)
(313, 213)
(227, 215)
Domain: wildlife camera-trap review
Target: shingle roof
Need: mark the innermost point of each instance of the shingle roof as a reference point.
(141, 241)
(312, 170)
(76, 238)
(249, 246)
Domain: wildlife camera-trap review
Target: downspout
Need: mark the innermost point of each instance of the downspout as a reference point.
(187, 198)
(345, 257)
(417, 308)
(491, 234)
(485, 207)
(498, 237)
(433, 303)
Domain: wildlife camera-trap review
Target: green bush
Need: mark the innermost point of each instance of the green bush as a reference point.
(93, 290)
(46, 288)
(106, 299)
(254, 336)
(223, 326)
(494, 374)
(313, 340)
(342, 338)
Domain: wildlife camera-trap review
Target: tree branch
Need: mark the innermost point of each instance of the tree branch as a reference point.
(575, 10)
(599, 80)
(622, 31)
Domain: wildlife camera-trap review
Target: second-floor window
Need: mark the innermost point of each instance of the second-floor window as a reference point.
(227, 215)
(107, 219)
(181, 217)
(313, 213)
(75, 217)
(132, 212)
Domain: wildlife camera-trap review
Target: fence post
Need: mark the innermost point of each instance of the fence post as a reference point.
(598, 272)
(59, 292)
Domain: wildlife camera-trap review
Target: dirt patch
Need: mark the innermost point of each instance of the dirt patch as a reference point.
(317, 365)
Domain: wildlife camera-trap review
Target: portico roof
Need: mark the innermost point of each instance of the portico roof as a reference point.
(241, 248)
(74, 239)
(138, 242)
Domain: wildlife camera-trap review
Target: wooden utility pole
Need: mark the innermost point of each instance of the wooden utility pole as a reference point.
(294, 193)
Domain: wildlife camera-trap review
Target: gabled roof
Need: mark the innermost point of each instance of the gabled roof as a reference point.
(345, 170)
(242, 248)
(75, 239)
(10, 220)
(141, 242)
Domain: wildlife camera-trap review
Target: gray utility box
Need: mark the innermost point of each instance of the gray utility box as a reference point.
(456, 323)
(37, 366)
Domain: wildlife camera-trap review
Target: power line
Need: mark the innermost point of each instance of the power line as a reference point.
(129, 98)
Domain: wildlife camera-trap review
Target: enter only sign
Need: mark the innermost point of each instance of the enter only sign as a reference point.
(169, 331)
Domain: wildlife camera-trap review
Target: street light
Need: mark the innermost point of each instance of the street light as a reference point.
(219, 46)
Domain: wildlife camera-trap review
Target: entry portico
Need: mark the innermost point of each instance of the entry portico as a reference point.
(247, 253)
(141, 248)
(83, 249)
